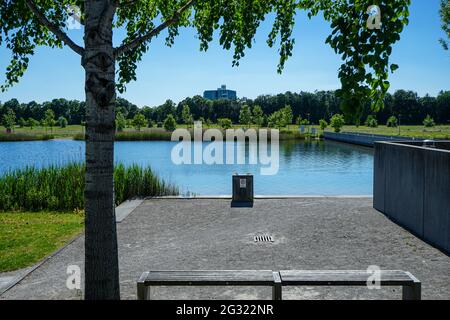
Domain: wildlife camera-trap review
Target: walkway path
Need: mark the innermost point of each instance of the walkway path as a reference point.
(309, 233)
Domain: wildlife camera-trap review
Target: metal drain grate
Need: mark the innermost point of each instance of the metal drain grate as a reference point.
(263, 238)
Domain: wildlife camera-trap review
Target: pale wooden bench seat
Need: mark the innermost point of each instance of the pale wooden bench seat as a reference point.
(205, 278)
(411, 287)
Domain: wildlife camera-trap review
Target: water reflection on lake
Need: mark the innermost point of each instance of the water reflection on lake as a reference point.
(305, 168)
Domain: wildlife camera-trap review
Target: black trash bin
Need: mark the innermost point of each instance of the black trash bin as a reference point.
(242, 189)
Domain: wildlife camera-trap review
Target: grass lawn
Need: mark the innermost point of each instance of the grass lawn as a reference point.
(57, 132)
(27, 237)
(419, 131)
(437, 132)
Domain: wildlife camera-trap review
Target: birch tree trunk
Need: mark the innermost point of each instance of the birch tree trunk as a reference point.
(101, 257)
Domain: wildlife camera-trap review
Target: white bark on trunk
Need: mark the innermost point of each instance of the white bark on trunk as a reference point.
(101, 256)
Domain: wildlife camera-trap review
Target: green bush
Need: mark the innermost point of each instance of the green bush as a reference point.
(323, 124)
(281, 118)
(32, 123)
(9, 120)
(371, 121)
(170, 123)
(428, 122)
(22, 123)
(225, 123)
(121, 122)
(61, 188)
(337, 121)
(392, 122)
(302, 122)
(139, 121)
(62, 122)
(245, 116)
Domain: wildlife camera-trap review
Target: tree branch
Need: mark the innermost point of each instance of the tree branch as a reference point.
(142, 39)
(61, 35)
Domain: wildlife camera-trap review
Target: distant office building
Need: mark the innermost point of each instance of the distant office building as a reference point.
(220, 93)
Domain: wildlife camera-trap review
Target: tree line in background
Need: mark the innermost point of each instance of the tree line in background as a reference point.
(265, 110)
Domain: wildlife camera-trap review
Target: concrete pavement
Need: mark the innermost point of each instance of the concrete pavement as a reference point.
(309, 233)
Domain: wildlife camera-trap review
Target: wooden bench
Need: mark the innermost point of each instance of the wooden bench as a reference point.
(411, 286)
(208, 278)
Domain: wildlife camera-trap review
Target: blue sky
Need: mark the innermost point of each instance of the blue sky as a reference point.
(182, 71)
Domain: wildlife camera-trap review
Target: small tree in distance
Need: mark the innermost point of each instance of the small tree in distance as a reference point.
(281, 118)
(287, 114)
(258, 116)
(49, 119)
(225, 123)
(300, 121)
(187, 116)
(170, 123)
(121, 122)
(323, 124)
(245, 116)
(371, 121)
(22, 122)
(62, 122)
(428, 121)
(139, 121)
(9, 120)
(32, 123)
(337, 122)
(392, 122)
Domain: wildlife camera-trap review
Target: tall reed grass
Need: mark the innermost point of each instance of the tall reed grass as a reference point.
(143, 136)
(136, 136)
(24, 137)
(167, 135)
(61, 188)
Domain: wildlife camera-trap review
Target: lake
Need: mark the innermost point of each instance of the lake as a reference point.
(305, 168)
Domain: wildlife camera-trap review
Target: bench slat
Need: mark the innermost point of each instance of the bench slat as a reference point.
(210, 277)
(343, 278)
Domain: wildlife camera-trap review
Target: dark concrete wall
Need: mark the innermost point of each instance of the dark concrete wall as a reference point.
(362, 139)
(439, 144)
(412, 187)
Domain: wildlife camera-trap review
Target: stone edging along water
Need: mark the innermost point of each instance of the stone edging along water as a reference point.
(363, 139)
(260, 197)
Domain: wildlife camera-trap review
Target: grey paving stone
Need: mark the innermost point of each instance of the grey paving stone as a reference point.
(309, 233)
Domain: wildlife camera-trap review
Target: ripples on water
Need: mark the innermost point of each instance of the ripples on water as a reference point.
(305, 168)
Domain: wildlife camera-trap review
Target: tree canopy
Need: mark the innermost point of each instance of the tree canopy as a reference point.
(365, 52)
(445, 19)
(319, 105)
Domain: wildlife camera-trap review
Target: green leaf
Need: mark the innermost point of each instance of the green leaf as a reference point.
(394, 67)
